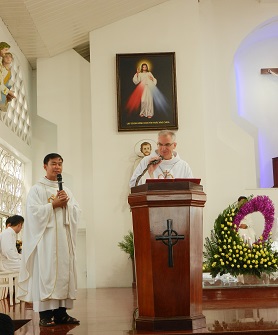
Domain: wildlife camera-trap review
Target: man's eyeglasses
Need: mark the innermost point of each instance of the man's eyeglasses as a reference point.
(167, 145)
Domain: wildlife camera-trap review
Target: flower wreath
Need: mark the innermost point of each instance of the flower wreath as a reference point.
(227, 252)
(263, 204)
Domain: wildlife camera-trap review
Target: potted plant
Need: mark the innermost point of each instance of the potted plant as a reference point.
(127, 246)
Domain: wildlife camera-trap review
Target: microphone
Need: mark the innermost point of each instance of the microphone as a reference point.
(60, 183)
(156, 161)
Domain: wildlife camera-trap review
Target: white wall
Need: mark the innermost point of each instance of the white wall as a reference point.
(220, 148)
(258, 102)
(63, 125)
(77, 116)
(163, 28)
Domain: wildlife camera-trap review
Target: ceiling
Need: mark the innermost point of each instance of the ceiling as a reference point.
(45, 28)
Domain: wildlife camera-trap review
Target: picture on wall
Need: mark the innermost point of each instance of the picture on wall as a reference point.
(146, 91)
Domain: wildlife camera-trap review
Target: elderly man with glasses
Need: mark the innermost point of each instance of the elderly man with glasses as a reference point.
(165, 164)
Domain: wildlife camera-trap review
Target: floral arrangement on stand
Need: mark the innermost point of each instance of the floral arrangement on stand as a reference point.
(226, 252)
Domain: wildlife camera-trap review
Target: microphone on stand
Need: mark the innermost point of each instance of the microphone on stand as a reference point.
(60, 182)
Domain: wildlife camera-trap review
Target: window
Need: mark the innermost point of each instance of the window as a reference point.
(12, 188)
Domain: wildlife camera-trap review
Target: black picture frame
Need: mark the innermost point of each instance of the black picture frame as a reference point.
(150, 104)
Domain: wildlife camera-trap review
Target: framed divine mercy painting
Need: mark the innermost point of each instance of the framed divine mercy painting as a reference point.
(146, 91)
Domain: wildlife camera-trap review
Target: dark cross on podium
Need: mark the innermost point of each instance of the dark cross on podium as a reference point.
(169, 237)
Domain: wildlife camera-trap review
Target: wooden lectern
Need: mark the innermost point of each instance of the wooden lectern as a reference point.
(168, 242)
(275, 171)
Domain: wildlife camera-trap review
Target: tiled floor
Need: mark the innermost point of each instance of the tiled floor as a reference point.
(110, 311)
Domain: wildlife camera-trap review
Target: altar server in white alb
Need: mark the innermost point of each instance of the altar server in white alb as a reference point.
(165, 163)
(48, 270)
(10, 257)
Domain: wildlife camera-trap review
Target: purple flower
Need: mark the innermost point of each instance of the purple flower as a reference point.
(262, 204)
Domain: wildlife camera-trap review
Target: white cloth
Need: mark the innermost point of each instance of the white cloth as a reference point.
(147, 96)
(48, 271)
(248, 234)
(10, 257)
(171, 168)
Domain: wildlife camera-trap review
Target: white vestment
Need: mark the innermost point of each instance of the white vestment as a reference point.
(10, 257)
(48, 270)
(167, 169)
(247, 234)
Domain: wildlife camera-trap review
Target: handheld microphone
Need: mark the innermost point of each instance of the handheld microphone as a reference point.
(60, 183)
(156, 161)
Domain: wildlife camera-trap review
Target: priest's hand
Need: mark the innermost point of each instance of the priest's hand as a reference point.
(60, 200)
(153, 166)
(243, 226)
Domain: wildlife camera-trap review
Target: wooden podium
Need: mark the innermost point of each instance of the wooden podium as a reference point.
(168, 242)
(275, 171)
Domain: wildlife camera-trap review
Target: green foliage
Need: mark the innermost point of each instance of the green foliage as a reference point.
(127, 244)
(226, 252)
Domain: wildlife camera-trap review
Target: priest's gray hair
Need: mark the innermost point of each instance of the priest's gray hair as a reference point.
(167, 132)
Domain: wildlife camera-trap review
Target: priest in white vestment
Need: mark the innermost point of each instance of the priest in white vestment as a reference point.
(165, 163)
(10, 258)
(48, 270)
(246, 229)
